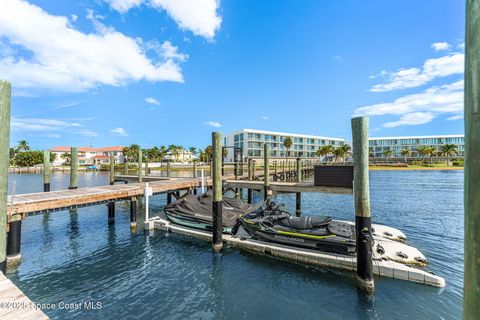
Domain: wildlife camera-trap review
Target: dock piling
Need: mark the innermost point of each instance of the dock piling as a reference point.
(14, 239)
(133, 213)
(298, 171)
(46, 171)
(73, 168)
(168, 170)
(471, 289)
(5, 95)
(298, 204)
(111, 204)
(250, 178)
(266, 170)
(217, 241)
(363, 223)
(140, 175)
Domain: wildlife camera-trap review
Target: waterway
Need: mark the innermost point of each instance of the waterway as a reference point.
(74, 257)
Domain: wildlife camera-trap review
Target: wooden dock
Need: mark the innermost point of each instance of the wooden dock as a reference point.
(14, 304)
(286, 187)
(22, 205)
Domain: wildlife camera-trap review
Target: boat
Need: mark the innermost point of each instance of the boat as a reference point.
(272, 223)
(195, 211)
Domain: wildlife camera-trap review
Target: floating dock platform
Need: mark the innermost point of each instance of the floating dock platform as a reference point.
(384, 268)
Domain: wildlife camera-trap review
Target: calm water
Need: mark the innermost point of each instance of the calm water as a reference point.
(77, 257)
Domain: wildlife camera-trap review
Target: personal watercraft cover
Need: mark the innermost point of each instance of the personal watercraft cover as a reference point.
(201, 207)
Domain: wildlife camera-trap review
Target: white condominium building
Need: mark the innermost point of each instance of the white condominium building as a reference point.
(252, 143)
(378, 146)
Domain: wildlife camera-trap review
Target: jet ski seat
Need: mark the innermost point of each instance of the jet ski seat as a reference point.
(305, 223)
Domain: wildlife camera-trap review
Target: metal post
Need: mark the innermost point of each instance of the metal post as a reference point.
(363, 223)
(140, 156)
(266, 170)
(217, 191)
(5, 94)
(471, 282)
(298, 204)
(133, 213)
(298, 172)
(73, 168)
(46, 171)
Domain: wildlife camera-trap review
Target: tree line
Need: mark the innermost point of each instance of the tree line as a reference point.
(23, 156)
(446, 150)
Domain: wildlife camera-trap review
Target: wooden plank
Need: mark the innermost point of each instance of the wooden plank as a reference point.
(9, 293)
(287, 187)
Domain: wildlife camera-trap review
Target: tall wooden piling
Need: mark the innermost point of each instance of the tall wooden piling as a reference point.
(125, 167)
(298, 171)
(250, 178)
(140, 156)
(133, 213)
(195, 175)
(363, 223)
(471, 282)
(111, 204)
(217, 243)
(46, 171)
(266, 170)
(73, 168)
(5, 95)
(168, 170)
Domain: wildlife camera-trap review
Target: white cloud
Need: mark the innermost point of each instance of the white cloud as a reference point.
(445, 99)
(455, 117)
(64, 59)
(123, 6)
(40, 124)
(198, 16)
(119, 131)
(338, 59)
(409, 119)
(264, 117)
(440, 46)
(213, 124)
(448, 65)
(87, 133)
(151, 100)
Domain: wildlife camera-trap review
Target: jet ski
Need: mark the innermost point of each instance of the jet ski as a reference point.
(272, 223)
(196, 212)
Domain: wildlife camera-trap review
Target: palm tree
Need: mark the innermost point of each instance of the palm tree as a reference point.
(287, 142)
(422, 151)
(405, 153)
(209, 153)
(448, 150)
(131, 152)
(66, 157)
(23, 146)
(325, 150)
(193, 150)
(387, 153)
(342, 152)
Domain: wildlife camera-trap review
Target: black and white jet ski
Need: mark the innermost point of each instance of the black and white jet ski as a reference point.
(196, 212)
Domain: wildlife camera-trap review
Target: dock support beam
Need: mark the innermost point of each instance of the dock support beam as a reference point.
(73, 168)
(14, 239)
(5, 94)
(46, 171)
(266, 170)
(363, 222)
(250, 178)
(140, 165)
(133, 213)
(217, 241)
(111, 204)
(471, 288)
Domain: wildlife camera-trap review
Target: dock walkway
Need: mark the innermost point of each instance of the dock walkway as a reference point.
(24, 204)
(14, 304)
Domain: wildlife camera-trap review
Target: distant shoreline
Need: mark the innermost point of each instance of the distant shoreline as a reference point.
(412, 168)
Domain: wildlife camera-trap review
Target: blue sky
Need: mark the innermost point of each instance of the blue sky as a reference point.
(159, 72)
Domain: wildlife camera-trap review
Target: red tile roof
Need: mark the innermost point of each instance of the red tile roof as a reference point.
(87, 149)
